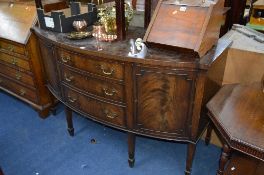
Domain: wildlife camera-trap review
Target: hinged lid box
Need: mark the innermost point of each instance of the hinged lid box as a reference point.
(187, 24)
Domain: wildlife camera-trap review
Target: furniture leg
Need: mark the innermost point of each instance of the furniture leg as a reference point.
(208, 134)
(44, 113)
(190, 155)
(223, 160)
(131, 149)
(68, 113)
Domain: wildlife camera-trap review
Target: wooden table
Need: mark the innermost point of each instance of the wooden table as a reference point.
(237, 112)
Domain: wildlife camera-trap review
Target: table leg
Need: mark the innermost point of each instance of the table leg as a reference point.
(190, 156)
(223, 160)
(131, 149)
(208, 134)
(68, 113)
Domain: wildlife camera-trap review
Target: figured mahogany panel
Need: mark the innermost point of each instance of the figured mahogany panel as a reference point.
(50, 65)
(164, 99)
(92, 85)
(95, 108)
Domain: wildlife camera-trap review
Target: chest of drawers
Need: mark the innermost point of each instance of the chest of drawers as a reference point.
(20, 68)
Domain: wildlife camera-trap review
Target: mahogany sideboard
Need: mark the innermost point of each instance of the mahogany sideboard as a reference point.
(159, 96)
(20, 67)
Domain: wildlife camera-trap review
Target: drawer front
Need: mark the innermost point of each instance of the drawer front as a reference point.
(18, 89)
(16, 74)
(99, 110)
(12, 47)
(15, 61)
(92, 85)
(93, 65)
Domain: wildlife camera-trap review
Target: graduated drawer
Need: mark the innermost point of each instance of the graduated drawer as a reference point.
(99, 110)
(18, 89)
(17, 74)
(15, 61)
(13, 47)
(93, 65)
(109, 90)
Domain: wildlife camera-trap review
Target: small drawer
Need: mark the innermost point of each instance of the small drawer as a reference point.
(93, 65)
(17, 75)
(98, 110)
(18, 89)
(109, 90)
(15, 61)
(13, 47)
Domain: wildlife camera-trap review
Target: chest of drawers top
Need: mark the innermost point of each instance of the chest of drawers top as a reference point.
(17, 19)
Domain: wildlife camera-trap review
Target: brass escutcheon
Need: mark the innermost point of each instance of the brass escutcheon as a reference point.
(22, 92)
(14, 61)
(109, 114)
(18, 76)
(108, 92)
(107, 72)
(72, 100)
(10, 48)
(68, 79)
(65, 59)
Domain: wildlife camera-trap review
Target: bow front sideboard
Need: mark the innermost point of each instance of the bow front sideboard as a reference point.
(159, 96)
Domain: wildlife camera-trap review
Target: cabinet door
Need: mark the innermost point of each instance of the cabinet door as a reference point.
(164, 102)
(50, 65)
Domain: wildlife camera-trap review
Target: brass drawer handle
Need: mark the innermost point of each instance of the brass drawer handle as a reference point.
(107, 72)
(10, 48)
(68, 79)
(22, 92)
(72, 100)
(109, 114)
(14, 61)
(65, 59)
(18, 76)
(108, 92)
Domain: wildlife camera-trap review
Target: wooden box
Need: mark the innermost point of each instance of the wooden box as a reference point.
(192, 25)
(244, 62)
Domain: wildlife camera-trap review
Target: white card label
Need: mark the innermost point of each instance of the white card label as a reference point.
(183, 8)
(49, 22)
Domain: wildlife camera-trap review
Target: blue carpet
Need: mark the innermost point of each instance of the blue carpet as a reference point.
(30, 145)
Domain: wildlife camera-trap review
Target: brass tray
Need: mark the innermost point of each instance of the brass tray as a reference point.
(79, 35)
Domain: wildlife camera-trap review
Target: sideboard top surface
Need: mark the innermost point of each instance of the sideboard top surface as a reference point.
(16, 20)
(119, 50)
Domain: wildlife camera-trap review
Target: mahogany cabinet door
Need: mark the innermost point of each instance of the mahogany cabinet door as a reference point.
(50, 65)
(164, 102)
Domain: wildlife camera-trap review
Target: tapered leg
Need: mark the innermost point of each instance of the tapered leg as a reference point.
(223, 160)
(68, 113)
(208, 134)
(131, 149)
(44, 113)
(190, 156)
